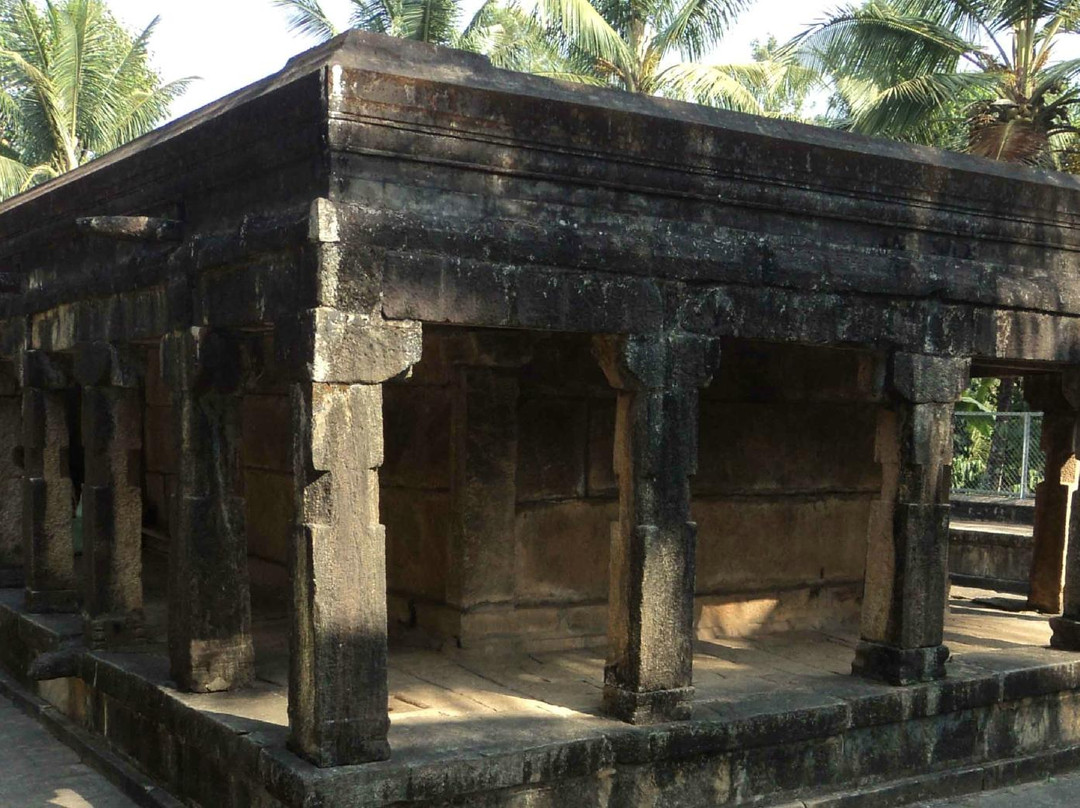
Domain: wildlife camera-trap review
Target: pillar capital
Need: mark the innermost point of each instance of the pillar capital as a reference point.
(44, 370)
(927, 379)
(340, 347)
(656, 361)
(208, 359)
(106, 364)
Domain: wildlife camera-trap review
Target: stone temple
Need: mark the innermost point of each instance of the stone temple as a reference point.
(438, 435)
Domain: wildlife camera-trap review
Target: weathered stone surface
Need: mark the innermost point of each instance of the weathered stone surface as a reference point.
(484, 434)
(337, 661)
(48, 553)
(907, 555)
(651, 600)
(1053, 395)
(112, 515)
(11, 537)
(210, 646)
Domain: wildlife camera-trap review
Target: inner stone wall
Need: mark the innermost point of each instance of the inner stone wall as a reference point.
(786, 481)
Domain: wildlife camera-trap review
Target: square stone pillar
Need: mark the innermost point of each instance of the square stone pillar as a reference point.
(338, 697)
(11, 482)
(210, 646)
(648, 676)
(48, 554)
(112, 409)
(481, 581)
(906, 591)
(1057, 395)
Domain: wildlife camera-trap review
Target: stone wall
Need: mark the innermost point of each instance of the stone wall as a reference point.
(786, 479)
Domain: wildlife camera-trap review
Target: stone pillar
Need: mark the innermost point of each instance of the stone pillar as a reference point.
(112, 409)
(11, 482)
(648, 677)
(337, 561)
(483, 486)
(906, 591)
(1058, 397)
(210, 645)
(48, 553)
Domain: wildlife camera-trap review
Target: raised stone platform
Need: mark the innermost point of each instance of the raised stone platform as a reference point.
(993, 555)
(774, 717)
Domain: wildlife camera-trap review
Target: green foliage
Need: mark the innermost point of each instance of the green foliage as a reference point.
(73, 85)
(976, 75)
(645, 46)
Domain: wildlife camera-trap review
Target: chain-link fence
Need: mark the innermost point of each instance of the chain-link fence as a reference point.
(997, 453)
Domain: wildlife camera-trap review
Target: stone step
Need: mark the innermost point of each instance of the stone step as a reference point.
(946, 783)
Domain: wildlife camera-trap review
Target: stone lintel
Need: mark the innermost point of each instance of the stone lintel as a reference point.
(649, 707)
(899, 666)
(339, 347)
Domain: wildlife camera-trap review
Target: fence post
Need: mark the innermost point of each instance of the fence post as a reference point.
(1025, 461)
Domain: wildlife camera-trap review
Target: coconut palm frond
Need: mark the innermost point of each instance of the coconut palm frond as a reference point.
(307, 18)
(906, 105)
(727, 86)
(582, 24)
(694, 26)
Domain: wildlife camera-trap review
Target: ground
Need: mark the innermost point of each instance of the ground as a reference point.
(40, 771)
(1057, 792)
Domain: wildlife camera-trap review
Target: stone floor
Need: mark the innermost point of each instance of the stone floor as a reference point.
(38, 770)
(451, 699)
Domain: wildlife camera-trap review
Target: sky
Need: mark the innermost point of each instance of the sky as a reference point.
(229, 44)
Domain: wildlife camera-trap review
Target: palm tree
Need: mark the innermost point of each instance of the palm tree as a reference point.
(658, 47)
(73, 85)
(977, 75)
(433, 21)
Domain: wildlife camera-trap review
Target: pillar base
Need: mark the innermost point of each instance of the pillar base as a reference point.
(108, 631)
(344, 754)
(649, 707)
(52, 601)
(217, 666)
(1066, 633)
(12, 578)
(899, 666)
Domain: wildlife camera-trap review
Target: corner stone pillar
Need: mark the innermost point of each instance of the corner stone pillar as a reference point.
(11, 482)
(1058, 397)
(483, 487)
(906, 592)
(210, 646)
(48, 553)
(112, 494)
(338, 694)
(649, 674)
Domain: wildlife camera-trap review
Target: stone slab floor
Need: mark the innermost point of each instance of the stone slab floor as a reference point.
(445, 702)
(36, 770)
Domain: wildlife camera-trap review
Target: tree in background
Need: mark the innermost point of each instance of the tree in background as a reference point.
(74, 84)
(974, 74)
(654, 47)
